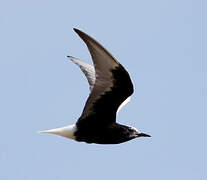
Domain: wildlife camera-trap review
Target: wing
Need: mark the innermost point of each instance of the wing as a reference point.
(112, 85)
(89, 72)
(87, 69)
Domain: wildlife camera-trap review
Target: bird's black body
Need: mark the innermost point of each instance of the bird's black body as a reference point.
(100, 125)
(111, 134)
(110, 86)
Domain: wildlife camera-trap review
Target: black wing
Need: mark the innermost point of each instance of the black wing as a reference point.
(112, 85)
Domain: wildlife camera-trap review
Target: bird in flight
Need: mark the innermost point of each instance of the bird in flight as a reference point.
(110, 89)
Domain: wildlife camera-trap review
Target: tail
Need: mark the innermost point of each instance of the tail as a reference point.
(66, 131)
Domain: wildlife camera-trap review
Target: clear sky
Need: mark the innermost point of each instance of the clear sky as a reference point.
(163, 46)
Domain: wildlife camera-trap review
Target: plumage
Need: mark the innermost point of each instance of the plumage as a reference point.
(89, 72)
(87, 69)
(110, 89)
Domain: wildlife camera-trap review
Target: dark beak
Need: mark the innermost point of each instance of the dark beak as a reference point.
(143, 135)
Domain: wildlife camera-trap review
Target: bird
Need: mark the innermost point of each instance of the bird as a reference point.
(110, 89)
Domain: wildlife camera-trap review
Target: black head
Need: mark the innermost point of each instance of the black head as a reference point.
(134, 133)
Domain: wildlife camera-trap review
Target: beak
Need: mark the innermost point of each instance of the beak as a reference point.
(143, 135)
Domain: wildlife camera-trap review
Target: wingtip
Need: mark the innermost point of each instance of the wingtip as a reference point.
(76, 30)
(71, 58)
(83, 35)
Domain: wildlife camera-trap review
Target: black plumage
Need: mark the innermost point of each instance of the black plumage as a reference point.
(110, 86)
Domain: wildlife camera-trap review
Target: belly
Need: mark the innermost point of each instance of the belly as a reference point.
(100, 136)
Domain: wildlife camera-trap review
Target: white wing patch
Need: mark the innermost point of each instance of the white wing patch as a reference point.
(124, 103)
(87, 69)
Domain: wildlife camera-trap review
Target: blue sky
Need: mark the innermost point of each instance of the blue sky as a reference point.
(163, 46)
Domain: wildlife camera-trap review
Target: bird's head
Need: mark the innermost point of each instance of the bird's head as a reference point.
(134, 133)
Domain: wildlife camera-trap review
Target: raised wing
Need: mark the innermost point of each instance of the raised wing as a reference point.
(112, 85)
(89, 72)
(87, 69)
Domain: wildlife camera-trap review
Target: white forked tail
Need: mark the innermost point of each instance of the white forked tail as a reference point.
(66, 131)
